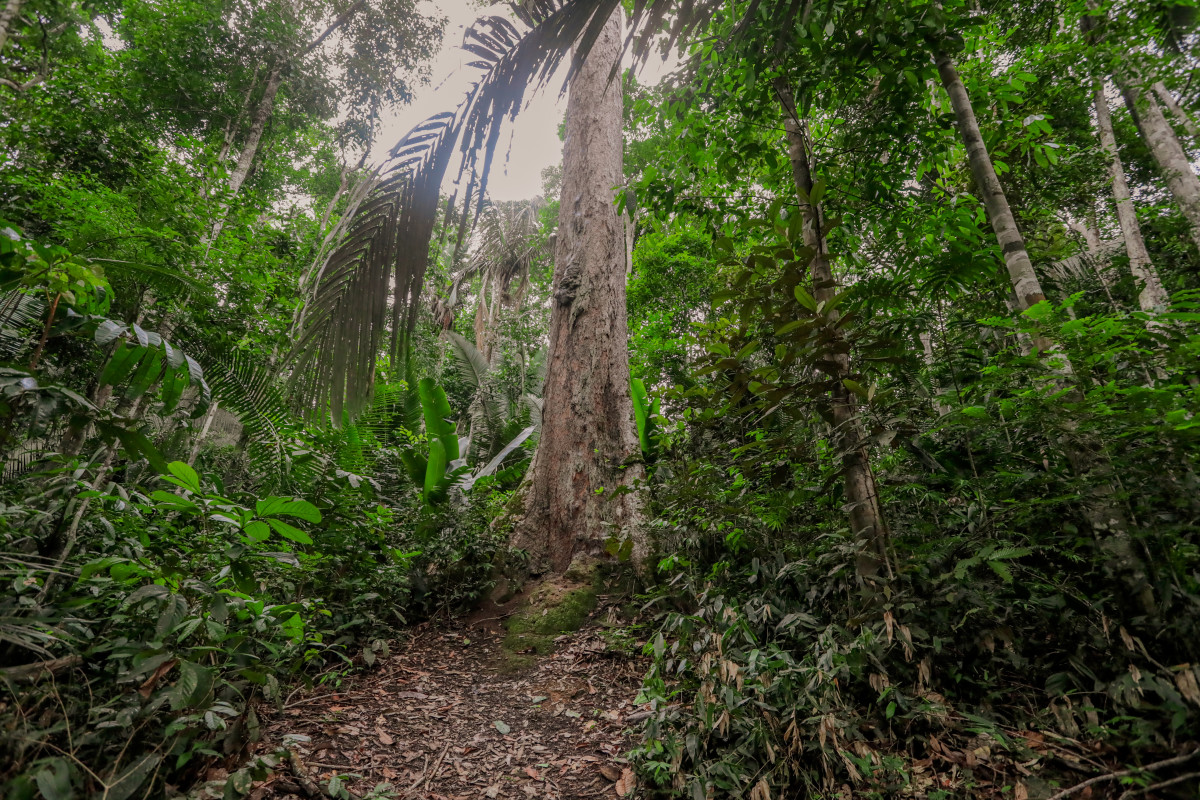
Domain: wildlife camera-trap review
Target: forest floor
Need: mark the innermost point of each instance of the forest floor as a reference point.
(452, 715)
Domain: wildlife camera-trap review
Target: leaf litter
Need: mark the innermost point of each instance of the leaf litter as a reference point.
(445, 720)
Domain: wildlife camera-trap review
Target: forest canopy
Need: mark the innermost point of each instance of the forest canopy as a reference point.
(842, 387)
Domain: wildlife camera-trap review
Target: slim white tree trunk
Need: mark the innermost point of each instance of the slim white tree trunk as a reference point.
(1151, 294)
(1167, 151)
(208, 421)
(258, 124)
(1177, 111)
(1025, 283)
(849, 438)
(11, 9)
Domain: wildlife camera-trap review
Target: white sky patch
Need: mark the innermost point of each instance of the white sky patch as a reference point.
(529, 145)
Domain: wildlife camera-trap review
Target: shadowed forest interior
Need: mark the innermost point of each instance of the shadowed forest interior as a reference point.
(826, 426)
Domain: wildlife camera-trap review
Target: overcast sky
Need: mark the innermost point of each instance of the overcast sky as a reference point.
(530, 145)
(534, 143)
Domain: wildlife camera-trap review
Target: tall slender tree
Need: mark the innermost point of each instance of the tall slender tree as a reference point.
(1151, 294)
(1168, 153)
(862, 495)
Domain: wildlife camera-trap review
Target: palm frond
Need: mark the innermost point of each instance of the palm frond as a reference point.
(248, 390)
(470, 362)
(20, 314)
(165, 280)
(367, 292)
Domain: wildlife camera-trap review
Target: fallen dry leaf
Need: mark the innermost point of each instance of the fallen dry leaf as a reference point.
(384, 737)
(626, 783)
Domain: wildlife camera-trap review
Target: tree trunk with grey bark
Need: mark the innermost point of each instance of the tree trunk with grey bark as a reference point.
(7, 15)
(1177, 111)
(1167, 151)
(849, 438)
(577, 494)
(1151, 294)
(258, 125)
(1026, 286)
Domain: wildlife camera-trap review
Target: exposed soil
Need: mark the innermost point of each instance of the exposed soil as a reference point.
(450, 715)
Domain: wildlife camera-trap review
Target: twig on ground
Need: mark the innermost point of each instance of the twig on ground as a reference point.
(1160, 785)
(436, 767)
(307, 784)
(1112, 776)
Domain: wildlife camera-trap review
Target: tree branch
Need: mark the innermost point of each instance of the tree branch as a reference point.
(1112, 776)
(338, 22)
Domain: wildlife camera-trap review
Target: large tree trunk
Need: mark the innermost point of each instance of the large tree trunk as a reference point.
(588, 448)
(1151, 295)
(849, 439)
(1026, 286)
(1167, 151)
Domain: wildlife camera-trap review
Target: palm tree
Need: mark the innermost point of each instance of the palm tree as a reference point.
(508, 245)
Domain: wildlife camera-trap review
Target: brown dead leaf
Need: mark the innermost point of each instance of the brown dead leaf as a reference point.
(626, 783)
(384, 736)
(533, 773)
(148, 686)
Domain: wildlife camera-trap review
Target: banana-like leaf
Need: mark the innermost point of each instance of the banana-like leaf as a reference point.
(643, 412)
(492, 465)
(416, 464)
(437, 409)
(435, 472)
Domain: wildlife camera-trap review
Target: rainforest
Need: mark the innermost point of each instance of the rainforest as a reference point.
(698, 399)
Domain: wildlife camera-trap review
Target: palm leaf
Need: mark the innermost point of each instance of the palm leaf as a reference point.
(20, 315)
(470, 362)
(366, 295)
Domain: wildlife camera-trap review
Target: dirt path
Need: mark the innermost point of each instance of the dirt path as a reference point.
(447, 718)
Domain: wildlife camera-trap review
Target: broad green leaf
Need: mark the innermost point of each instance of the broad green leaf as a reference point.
(108, 331)
(805, 299)
(258, 530)
(121, 364)
(172, 501)
(435, 470)
(281, 506)
(289, 531)
(54, 780)
(186, 475)
(436, 410)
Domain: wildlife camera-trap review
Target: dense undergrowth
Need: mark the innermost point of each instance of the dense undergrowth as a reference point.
(1010, 631)
(189, 535)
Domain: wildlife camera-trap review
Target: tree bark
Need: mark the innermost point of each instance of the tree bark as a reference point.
(208, 421)
(1026, 286)
(1151, 294)
(1167, 151)
(862, 497)
(258, 124)
(1177, 111)
(11, 9)
(262, 114)
(578, 493)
